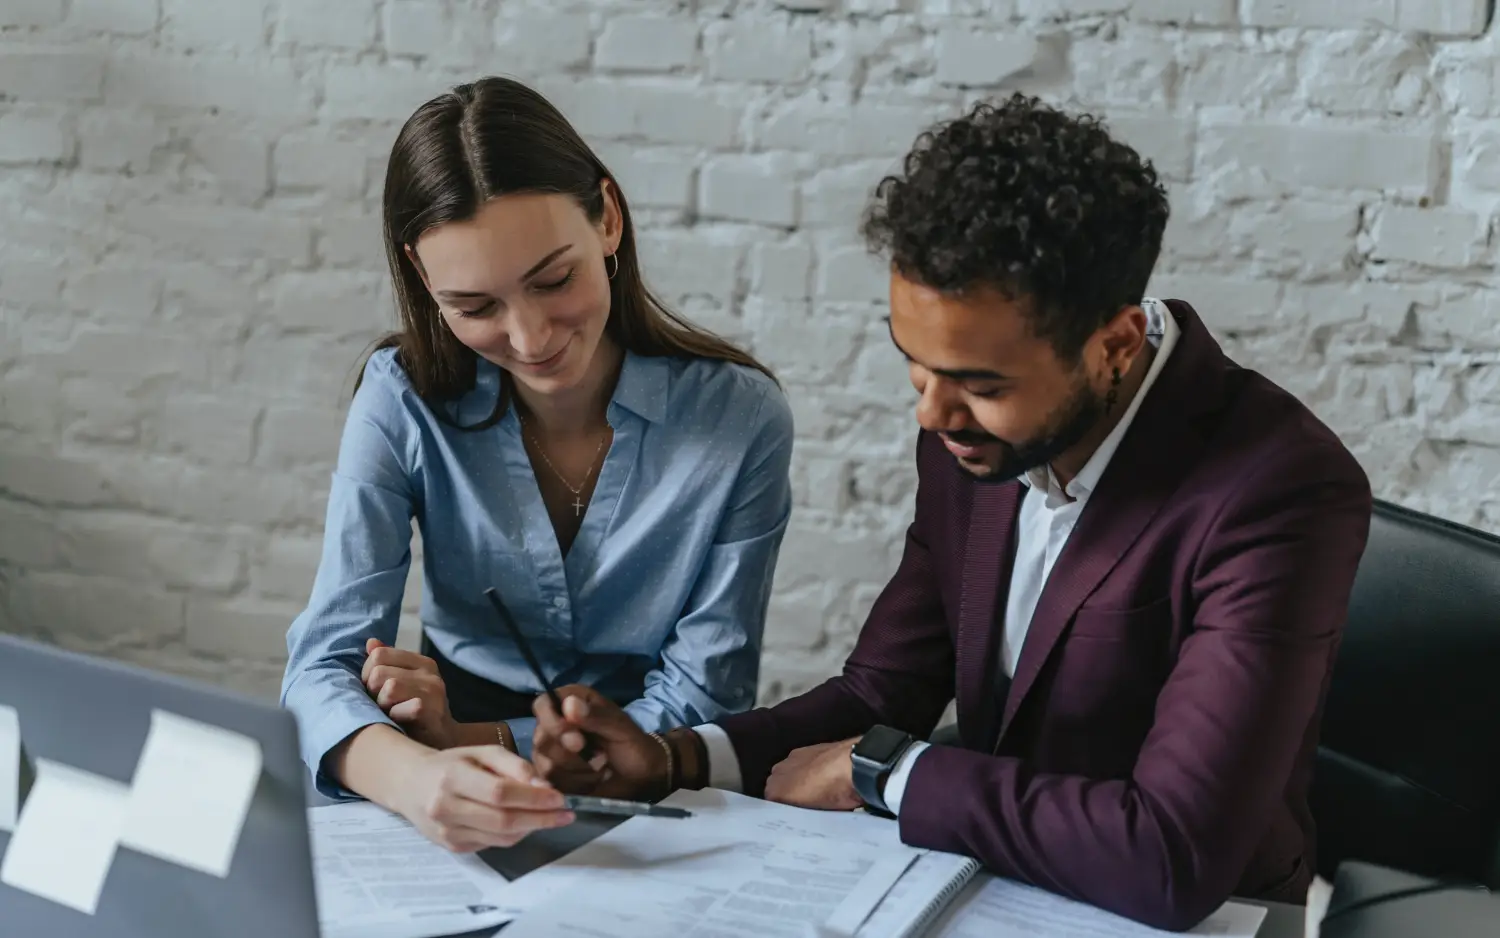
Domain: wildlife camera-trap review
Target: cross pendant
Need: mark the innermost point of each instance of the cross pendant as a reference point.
(577, 506)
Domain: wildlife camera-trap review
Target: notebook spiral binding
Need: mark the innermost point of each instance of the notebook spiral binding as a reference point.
(940, 902)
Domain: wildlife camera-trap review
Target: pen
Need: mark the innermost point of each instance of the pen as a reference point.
(531, 662)
(583, 804)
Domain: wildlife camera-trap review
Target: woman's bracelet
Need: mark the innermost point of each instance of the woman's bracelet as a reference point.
(507, 739)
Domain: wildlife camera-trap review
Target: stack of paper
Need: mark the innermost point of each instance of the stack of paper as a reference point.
(743, 866)
(1000, 908)
(674, 879)
(738, 866)
(378, 877)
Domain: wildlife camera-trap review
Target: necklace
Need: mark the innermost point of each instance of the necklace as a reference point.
(577, 503)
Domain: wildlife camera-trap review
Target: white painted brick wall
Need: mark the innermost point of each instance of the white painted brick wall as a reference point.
(192, 264)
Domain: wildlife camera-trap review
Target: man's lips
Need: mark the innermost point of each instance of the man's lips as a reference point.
(965, 450)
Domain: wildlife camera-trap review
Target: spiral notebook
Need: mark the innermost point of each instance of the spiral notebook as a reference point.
(920, 897)
(733, 825)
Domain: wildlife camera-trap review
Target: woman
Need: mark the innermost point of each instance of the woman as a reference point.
(618, 477)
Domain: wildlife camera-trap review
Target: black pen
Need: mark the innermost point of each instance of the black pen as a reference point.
(613, 806)
(531, 662)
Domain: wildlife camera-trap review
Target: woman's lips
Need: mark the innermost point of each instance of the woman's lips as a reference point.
(545, 364)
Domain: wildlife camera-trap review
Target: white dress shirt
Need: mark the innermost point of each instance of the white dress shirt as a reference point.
(1048, 514)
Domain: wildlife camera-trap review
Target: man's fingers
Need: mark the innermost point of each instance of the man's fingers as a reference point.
(560, 757)
(575, 708)
(546, 714)
(593, 713)
(577, 783)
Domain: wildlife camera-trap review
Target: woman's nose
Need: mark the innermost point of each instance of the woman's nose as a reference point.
(530, 335)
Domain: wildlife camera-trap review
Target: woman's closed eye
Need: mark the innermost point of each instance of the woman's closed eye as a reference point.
(474, 313)
(551, 286)
(548, 286)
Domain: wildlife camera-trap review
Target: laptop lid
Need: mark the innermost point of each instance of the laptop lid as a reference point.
(93, 714)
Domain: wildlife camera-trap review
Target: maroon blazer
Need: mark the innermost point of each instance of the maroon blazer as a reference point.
(1153, 753)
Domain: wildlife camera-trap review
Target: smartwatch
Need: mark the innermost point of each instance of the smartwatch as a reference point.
(876, 753)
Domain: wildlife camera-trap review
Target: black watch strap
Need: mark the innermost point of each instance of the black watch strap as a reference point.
(868, 776)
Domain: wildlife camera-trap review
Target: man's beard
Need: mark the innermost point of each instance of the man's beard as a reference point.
(1069, 425)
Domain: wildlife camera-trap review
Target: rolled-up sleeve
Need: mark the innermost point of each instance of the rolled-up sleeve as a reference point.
(360, 582)
(710, 665)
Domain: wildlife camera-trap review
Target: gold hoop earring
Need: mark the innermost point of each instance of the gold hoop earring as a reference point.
(611, 273)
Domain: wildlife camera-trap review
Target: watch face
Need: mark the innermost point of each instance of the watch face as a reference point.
(880, 744)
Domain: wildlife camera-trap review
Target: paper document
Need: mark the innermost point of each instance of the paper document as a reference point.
(65, 840)
(192, 789)
(684, 880)
(378, 877)
(1001, 908)
(733, 827)
(10, 767)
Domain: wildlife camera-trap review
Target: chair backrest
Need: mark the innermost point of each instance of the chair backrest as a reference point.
(1408, 772)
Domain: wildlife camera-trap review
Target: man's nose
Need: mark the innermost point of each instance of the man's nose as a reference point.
(937, 409)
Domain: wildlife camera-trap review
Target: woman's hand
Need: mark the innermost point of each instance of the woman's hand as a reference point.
(474, 797)
(627, 762)
(410, 691)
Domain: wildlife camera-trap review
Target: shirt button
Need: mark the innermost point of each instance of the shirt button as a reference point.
(560, 602)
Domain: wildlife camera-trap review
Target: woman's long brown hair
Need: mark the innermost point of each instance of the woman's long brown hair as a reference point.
(490, 138)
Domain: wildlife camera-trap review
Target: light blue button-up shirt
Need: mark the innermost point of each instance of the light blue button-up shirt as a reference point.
(661, 600)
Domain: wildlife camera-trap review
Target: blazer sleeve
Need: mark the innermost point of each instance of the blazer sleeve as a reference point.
(899, 674)
(1167, 845)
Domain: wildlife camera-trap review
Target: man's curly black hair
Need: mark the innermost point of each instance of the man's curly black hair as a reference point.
(1031, 201)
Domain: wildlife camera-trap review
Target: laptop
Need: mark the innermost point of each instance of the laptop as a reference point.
(93, 714)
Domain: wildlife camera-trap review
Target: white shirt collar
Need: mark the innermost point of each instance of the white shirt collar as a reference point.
(1162, 331)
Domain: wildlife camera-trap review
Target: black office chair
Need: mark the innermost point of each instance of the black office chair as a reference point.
(1408, 773)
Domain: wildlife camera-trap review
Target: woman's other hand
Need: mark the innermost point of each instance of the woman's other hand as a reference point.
(409, 689)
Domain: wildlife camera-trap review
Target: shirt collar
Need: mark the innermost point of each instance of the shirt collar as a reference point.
(643, 385)
(1162, 331)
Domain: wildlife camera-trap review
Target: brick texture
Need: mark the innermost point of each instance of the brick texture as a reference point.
(192, 264)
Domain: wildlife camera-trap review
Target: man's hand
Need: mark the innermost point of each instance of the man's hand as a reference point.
(409, 689)
(627, 762)
(819, 776)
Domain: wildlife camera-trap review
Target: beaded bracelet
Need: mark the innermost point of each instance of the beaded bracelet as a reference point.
(671, 762)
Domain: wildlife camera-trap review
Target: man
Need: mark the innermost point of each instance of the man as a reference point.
(1130, 559)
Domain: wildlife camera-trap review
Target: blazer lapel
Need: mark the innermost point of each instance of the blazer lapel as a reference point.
(1162, 444)
(988, 555)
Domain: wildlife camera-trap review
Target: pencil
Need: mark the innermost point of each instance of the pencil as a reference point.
(521, 643)
(531, 662)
